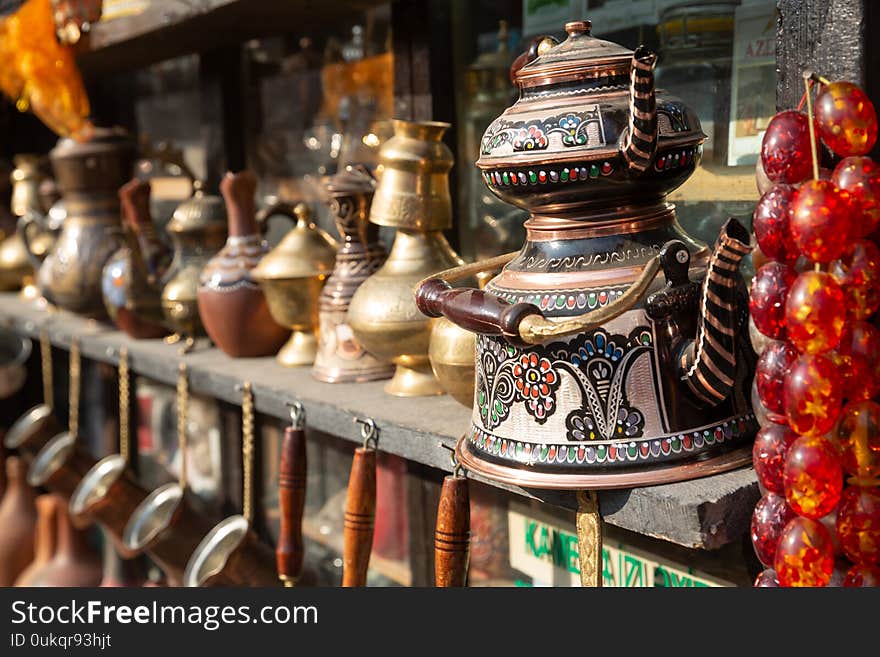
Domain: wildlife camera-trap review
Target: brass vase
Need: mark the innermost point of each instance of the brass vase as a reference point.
(341, 358)
(412, 196)
(292, 275)
(16, 269)
(198, 231)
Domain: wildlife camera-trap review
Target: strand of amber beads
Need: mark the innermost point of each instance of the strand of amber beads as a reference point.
(805, 554)
(813, 477)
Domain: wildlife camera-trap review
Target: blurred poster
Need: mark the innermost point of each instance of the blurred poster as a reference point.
(753, 81)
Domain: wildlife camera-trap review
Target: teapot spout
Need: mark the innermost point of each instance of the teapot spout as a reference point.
(708, 363)
(640, 141)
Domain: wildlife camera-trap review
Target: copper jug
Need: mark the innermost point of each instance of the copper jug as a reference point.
(612, 349)
(15, 266)
(232, 306)
(18, 518)
(132, 278)
(45, 540)
(88, 175)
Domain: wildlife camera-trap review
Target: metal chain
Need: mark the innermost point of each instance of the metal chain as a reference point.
(46, 366)
(124, 395)
(247, 451)
(73, 400)
(182, 408)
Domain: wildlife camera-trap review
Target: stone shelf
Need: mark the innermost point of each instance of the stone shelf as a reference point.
(703, 513)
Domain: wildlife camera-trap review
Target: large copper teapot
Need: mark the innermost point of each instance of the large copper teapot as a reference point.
(612, 349)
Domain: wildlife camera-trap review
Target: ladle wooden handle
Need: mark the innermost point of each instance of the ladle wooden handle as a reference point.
(452, 534)
(360, 513)
(291, 499)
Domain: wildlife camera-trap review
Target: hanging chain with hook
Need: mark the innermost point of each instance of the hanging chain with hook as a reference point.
(73, 398)
(297, 415)
(458, 470)
(369, 432)
(124, 408)
(247, 451)
(182, 409)
(46, 366)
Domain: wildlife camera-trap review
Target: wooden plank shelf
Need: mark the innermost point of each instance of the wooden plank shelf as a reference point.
(172, 28)
(704, 513)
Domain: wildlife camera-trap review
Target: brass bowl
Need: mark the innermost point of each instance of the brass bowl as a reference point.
(451, 353)
(293, 303)
(180, 302)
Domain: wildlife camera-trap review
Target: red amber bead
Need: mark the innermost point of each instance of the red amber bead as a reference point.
(813, 395)
(815, 312)
(860, 176)
(813, 477)
(821, 219)
(804, 555)
(858, 272)
(858, 360)
(785, 149)
(861, 576)
(857, 437)
(769, 518)
(767, 298)
(770, 373)
(770, 223)
(846, 119)
(766, 579)
(768, 455)
(858, 525)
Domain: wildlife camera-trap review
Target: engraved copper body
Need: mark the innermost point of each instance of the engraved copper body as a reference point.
(341, 358)
(612, 349)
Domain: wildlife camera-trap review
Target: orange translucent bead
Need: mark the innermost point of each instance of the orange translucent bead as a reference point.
(861, 577)
(770, 223)
(813, 395)
(858, 525)
(857, 437)
(804, 555)
(858, 360)
(770, 373)
(813, 477)
(785, 148)
(858, 272)
(860, 176)
(815, 312)
(770, 288)
(821, 218)
(846, 119)
(769, 518)
(766, 579)
(768, 455)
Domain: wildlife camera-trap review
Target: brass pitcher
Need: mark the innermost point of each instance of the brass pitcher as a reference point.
(89, 175)
(292, 275)
(412, 196)
(198, 231)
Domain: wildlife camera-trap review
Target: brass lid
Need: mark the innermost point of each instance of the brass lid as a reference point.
(580, 56)
(304, 252)
(200, 212)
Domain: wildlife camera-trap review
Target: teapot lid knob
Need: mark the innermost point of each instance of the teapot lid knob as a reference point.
(577, 28)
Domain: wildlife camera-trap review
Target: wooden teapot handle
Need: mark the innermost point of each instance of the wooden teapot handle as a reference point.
(360, 513)
(452, 533)
(536, 47)
(134, 197)
(292, 478)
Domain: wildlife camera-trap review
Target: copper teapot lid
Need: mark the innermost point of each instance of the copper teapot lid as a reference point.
(580, 56)
(200, 212)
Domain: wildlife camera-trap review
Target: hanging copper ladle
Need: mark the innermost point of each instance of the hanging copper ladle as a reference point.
(61, 463)
(30, 432)
(232, 553)
(164, 526)
(108, 493)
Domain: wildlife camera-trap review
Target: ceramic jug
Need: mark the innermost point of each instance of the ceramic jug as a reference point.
(232, 305)
(76, 562)
(45, 540)
(18, 520)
